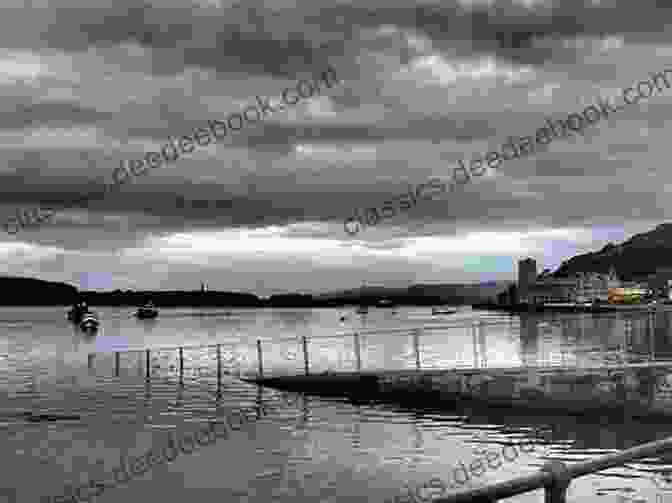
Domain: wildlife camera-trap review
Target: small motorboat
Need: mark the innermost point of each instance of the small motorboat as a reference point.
(89, 322)
(77, 312)
(147, 312)
(436, 311)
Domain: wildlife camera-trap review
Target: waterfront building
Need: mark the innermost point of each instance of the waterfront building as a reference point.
(627, 294)
(661, 282)
(509, 297)
(552, 290)
(593, 286)
(527, 275)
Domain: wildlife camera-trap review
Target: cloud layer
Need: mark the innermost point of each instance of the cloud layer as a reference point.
(87, 86)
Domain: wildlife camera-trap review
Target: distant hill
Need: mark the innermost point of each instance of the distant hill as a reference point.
(462, 293)
(35, 292)
(172, 298)
(639, 256)
(433, 293)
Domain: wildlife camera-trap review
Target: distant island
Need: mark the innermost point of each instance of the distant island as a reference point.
(36, 292)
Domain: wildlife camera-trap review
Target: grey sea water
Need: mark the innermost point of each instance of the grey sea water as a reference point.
(307, 448)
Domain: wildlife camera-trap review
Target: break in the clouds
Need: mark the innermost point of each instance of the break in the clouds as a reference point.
(88, 84)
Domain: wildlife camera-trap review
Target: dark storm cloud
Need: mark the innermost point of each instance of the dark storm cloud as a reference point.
(277, 41)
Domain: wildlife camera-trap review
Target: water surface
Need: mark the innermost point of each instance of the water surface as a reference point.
(308, 448)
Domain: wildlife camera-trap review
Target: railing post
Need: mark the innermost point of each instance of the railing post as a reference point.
(260, 359)
(358, 354)
(181, 358)
(305, 354)
(147, 363)
(556, 492)
(482, 345)
(219, 364)
(416, 345)
(116, 363)
(474, 342)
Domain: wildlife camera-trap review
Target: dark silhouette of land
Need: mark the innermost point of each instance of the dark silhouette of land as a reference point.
(35, 292)
(641, 255)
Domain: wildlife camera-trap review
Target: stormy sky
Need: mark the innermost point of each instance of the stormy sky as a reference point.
(89, 84)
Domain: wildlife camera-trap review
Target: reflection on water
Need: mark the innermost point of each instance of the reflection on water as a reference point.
(310, 449)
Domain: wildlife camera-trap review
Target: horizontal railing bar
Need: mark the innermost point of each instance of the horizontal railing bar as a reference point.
(543, 479)
(170, 348)
(610, 460)
(390, 331)
(414, 327)
(501, 490)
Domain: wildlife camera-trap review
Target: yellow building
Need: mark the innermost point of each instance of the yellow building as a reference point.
(627, 295)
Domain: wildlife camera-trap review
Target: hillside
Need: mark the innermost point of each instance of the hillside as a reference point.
(638, 256)
(446, 293)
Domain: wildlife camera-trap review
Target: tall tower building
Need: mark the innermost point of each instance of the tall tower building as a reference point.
(527, 274)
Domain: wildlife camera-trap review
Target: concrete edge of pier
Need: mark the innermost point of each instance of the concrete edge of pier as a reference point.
(613, 392)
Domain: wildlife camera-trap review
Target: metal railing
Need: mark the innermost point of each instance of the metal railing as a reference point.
(370, 350)
(415, 333)
(306, 359)
(555, 477)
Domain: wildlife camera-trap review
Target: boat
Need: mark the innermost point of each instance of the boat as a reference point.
(77, 312)
(385, 303)
(148, 311)
(436, 311)
(89, 322)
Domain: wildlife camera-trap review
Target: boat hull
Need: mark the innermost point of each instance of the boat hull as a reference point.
(89, 324)
(144, 314)
(75, 316)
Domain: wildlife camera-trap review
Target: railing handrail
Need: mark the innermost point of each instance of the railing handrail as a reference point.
(339, 335)
(558, 475)
(409, 329)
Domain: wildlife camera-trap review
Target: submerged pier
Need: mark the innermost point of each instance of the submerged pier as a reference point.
(636, 390)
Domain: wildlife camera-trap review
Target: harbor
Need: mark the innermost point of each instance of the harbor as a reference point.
(630, 387)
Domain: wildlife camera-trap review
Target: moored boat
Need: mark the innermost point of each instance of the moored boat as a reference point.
(89, 322)
(77, 312)
(436, 311)
(148, 311)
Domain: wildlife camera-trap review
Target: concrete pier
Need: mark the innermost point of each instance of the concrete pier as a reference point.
(635, 390)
